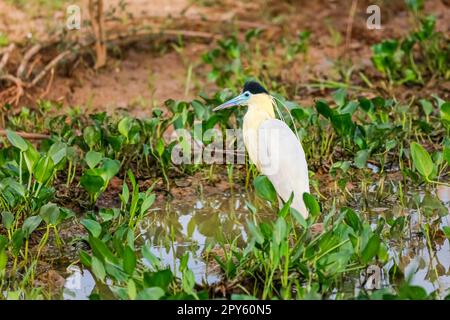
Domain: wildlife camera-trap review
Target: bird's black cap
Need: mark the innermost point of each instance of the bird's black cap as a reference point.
(254, 87)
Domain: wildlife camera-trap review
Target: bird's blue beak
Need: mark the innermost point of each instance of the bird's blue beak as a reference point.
(239, 100)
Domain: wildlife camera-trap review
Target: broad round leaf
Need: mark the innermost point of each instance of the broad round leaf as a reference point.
(265, 189)
(92, 226)
(30, 224)
(93, 158)
(16, 140)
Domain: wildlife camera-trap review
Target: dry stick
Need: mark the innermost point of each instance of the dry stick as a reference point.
(48, 67)
(97, 22)
(5, 57)
(26, 58)
(199, 19)
(27, 135)
(49, 84)
(32, 65)
(19, 86)
(117, 37)
(351, 17)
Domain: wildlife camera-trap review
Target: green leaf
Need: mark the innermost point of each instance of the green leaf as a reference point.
(3, 242)
(446, 154)
(361, 158)
(311, 204)
(188, 281)
(422, 160)
(149, 256)
(299, 217)
(7, 219)
(17, 241)
(124, 126)
(57, 152)
(92, 183)
(16, 140)
(446, 231)
(43, 169)
(125, 196)
(85, 259)
(407, 291)
(98, 268)
(339, 96)
(93, 158)
(30, 224)
(371, 248)
(280, 231)
(236, 296)
(31, 156)
(352, 219)
(92, 136)
(427, 106)
(265, 189)
(161, 279)
(92, 226)
(147, 203)
(3, 260)
(254, 230)
(323, 108)
(343, 124)
(285, 209)
(131, 289)
(50, 213)
(12, 184)
(109, 168)
(101, 250)
(160, 147)
(129, 260)
(153, 293)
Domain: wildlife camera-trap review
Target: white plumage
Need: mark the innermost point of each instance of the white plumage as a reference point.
(283, 162)
(272, 146)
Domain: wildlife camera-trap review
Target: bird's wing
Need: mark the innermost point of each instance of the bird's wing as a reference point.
(283, 161)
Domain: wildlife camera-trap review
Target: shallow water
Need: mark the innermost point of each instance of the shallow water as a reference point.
(180, 226)
(195, 225)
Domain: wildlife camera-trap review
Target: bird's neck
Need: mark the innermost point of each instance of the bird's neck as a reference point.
(260, 108)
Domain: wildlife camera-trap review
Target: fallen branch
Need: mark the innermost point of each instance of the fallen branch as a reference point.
(6, 55)
(97, 21)
(351, 18)
(26, 58)
(27, 135)
(48, 67)
(19, 88)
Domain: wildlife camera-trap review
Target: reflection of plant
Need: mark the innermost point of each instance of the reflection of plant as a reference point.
(285, 247)
(133, 273)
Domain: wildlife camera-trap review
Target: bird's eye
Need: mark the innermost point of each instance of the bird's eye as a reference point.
(247, 94)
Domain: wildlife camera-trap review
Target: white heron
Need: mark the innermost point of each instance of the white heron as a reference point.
(272, 146)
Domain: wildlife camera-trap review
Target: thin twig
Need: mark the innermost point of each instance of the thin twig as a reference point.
(48, 67)
(27, 135)
(351, 18)
(26, 58)
(49, 85)
(6, 55)
(32, 65)
(19, 87)
(97, 21)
